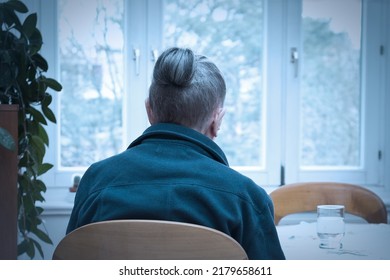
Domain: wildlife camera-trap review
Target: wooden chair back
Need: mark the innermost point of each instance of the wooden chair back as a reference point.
(304, 197)
(147, 240)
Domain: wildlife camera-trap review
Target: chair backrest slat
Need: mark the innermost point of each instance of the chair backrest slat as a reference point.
(147, 240)
(304, 197)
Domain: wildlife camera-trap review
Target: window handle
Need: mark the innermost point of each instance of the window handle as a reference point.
(294, 59)
(137, 54)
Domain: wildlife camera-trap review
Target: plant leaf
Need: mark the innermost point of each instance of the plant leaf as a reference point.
(22, 247)
(35, 41)
(17, 6)
(39, 185)
(29, 25)
(47, 100)
(39, 247)
(30, 249)
(43, 168)
(37, 148)
(40, 61)
(51, 83)
(43, 134)
(37, 115)
(6, 140)
(9, 16)
(42, 235)
(39, 210)
(49, 114)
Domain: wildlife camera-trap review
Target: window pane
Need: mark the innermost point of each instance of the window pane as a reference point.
(231, 34)
(330, 83)
(91, 68)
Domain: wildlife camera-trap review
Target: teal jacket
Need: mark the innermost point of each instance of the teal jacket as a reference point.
(174, 173)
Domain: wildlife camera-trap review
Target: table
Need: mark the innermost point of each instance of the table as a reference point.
(361, 241)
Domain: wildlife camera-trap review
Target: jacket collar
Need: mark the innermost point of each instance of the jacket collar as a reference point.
(174, 131)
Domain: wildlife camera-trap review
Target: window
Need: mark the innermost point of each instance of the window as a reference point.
(330, 100)
(91, 59)
(211, 28)
(306, 84)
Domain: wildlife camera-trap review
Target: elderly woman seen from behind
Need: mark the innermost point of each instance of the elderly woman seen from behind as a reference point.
(175, 171)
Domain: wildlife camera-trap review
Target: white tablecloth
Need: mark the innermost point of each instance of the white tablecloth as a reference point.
(361, 241)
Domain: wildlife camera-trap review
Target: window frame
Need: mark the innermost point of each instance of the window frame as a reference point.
(281, 106)
(371, 113)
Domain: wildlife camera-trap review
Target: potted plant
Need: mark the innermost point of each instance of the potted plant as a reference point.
(22, 82)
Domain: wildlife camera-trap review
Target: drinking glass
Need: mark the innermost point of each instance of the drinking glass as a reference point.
(330, 226)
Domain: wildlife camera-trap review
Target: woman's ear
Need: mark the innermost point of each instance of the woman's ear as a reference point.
(149, 111)
(216, 123)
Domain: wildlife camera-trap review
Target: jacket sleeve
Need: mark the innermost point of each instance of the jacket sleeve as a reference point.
(260, 238)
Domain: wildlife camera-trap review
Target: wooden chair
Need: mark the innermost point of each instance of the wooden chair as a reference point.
(304, 197)
(147, 240)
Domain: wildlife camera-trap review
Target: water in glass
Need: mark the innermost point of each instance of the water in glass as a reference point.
(330, 226)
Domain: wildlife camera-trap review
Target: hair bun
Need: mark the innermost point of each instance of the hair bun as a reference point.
(175, 66)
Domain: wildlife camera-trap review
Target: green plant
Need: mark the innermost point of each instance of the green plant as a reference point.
(22, 82)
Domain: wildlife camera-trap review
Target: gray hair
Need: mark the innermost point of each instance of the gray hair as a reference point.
(186, 88)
